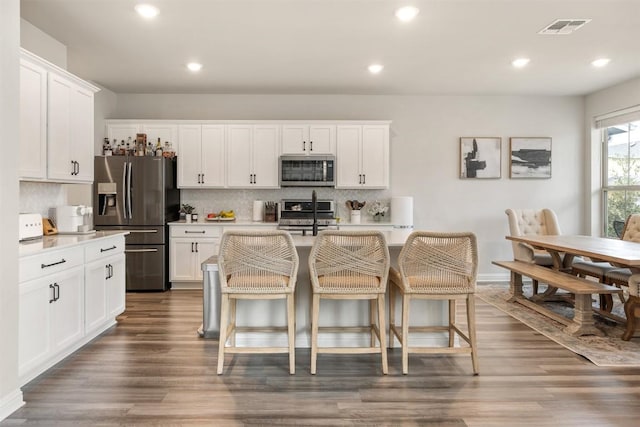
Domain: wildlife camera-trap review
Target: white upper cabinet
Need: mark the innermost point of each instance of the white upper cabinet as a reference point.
(57, 108)
(167, 132)
(252, 156)
(33, 121)
(201, 159)
(121, 132)
(308, 139)
(362, 156)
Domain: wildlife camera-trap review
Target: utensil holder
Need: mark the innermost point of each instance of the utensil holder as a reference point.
(271, 212)
(355, 217)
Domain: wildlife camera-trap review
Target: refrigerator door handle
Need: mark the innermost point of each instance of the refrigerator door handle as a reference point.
(143, 231)
(124, 189)
(133, 251)
(130, 208)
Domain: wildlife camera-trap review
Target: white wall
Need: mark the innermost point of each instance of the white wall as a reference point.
(36, 41)
(425, 151)
(10, 394)
(608, 100)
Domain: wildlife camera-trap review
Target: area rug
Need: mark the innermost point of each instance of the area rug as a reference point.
(609, 350)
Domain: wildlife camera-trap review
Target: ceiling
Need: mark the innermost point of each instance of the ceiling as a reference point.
(461, 47)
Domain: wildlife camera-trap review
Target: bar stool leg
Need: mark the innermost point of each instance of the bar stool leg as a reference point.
(224, 317)
(405, 333)
(372, 321)
(315, 314)
(471, 323)
(452, 321)
(291, 329)
(392, 314)
(383, 339)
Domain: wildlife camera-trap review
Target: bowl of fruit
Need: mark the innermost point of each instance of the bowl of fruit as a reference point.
(221, 216)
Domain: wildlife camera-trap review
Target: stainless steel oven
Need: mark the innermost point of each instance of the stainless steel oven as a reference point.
(307, 171)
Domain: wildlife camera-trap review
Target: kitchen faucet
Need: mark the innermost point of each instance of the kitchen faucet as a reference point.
(314, 207)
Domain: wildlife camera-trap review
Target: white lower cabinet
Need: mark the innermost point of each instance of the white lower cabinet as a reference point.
(189, 247)
(51, 317)
(67, 297)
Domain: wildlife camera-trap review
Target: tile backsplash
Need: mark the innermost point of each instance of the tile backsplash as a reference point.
(38, 197)
(241, 201)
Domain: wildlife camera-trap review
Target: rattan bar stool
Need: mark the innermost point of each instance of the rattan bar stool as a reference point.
(256, 265)
(435, 266)
(350, 265)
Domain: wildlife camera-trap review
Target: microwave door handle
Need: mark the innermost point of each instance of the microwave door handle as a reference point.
(324, 170)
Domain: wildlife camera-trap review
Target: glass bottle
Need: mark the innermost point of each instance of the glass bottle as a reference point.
(158, 152)
(149, 150)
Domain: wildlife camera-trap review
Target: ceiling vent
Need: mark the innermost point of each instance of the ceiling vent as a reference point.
(563, 26)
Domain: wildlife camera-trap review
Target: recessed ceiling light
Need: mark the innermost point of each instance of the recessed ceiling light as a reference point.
(520, 62)
(147, 11)
(407, 13)
(375, 68)
(601, 62)
(194, 66)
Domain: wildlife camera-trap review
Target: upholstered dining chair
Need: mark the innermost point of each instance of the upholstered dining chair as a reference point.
(525, 222)
(631, 232)
(350, 265)
(256, 265)
(436, 266)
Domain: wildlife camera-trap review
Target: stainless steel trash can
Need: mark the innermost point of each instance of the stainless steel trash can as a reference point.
(211, 299)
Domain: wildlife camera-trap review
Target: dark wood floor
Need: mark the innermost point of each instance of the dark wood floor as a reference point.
(152, 369)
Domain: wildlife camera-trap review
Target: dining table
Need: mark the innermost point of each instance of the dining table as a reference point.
(564, 248)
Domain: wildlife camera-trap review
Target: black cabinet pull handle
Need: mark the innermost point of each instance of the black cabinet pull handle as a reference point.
(202, 179)
(106, 267)
(194, 232)
(54, 293)
(62, 261)
(196, 246)
(108, 249)
(310, 145)
(73, 168)
(364, 178)
(304, 145)
(192, 247)
(110, 271)
(77, 168)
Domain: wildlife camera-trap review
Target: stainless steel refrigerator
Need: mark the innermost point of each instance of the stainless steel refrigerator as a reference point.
(138, 195)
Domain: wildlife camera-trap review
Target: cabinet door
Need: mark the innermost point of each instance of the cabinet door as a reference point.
(212, 156)
(33, 121)
(239, 168)
(34, 341)
(182, 258)
(205, 248)
(348, 142)
(190, 159)
(82, 134)
(322, 139)
(164, 131)
(122, 131)
(95, 294)
(67, 325)
(116, 287)
(375, 156)
(60, 166)
(266, 151)
(295, 139)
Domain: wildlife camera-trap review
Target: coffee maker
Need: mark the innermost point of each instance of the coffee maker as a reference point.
(73, 218)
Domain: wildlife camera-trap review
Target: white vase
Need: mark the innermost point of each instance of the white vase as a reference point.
(187, 218)
(355, 217)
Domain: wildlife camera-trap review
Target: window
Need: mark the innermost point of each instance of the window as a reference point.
(621, 180)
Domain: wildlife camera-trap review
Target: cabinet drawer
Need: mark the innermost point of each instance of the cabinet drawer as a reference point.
(104, 248)
(195, 230)
(50, 262)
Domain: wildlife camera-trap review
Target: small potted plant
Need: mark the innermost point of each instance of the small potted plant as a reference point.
(187, 210)
(377, 209)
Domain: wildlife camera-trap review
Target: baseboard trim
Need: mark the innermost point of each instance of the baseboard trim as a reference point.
(10, 403)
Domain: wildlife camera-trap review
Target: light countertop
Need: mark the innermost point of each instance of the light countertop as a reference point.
(60, 241)
(245, 223)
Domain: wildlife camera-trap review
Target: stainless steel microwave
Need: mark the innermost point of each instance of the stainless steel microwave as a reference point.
(307, 171)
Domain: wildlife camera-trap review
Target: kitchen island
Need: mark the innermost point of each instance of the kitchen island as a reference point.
(351, 313)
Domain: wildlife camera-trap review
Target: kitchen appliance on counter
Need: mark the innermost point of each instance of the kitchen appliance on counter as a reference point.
(297, 215)
(307, 171)
(73, 219)
(30, 226)
(138, 195)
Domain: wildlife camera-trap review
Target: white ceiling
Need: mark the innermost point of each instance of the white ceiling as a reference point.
(324, 46)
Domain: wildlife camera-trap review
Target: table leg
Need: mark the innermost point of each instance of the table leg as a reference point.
(583, 323)
(515, 286)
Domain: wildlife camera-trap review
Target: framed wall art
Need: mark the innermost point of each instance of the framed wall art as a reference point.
(480, 157)
(530, 158)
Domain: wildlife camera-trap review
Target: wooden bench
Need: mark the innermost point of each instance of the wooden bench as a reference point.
(582, 322)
